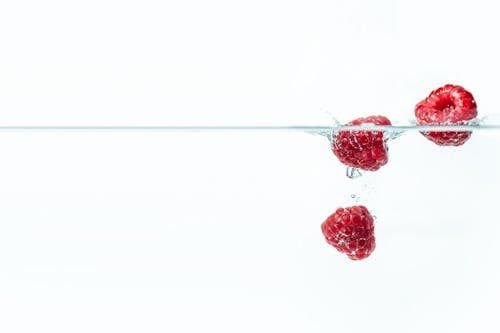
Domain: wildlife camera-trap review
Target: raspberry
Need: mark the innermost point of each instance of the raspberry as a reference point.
(447, 105)
(366, 150)
(351, 231)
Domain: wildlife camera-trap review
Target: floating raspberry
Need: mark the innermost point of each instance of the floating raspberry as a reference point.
(351, 231)
(366, 150)
(447, 105)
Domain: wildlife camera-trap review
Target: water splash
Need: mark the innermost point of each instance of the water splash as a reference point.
(331, 133)
(392, 135)
(491, 119)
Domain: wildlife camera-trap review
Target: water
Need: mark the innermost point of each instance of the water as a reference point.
(219, 224)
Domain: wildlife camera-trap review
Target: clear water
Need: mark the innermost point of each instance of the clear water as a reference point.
(180, 230)
(196, 226)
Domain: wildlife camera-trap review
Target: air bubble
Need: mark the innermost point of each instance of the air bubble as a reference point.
(353, 173)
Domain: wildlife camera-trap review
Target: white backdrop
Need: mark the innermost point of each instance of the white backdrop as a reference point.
(158, 232)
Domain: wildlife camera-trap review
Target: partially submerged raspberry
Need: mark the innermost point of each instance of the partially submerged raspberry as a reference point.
(362, 149)
(447, 105)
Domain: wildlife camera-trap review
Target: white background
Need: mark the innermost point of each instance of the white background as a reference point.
(158, 232)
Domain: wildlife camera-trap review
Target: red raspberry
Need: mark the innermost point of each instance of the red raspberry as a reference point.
(351, 231)
(447, 105)
(366, 150)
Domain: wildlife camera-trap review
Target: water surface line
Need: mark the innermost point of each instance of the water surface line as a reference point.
(320, 129)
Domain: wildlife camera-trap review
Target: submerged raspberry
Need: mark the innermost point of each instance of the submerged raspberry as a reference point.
(351, 231)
